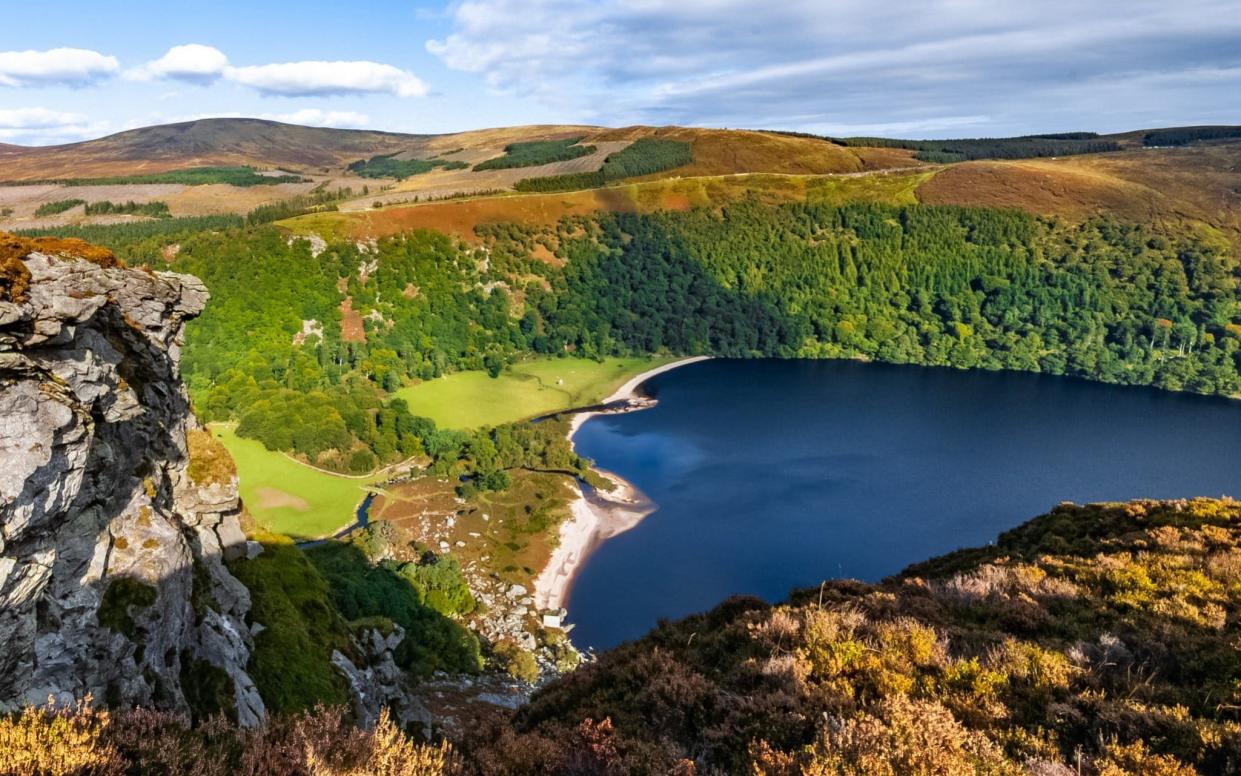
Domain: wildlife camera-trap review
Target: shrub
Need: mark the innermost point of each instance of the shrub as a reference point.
(519, 663)
(57, 207)
(81, 741)
(58, 741)
(291, 661)
(536, 152)
(642, 157)
(360, 589)
(209, 461)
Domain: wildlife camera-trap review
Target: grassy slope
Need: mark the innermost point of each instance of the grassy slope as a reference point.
(1195, 186)
(318, 503)
(528, 389)
(460, 217)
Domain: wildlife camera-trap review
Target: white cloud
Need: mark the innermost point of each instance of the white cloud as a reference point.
(71, 66)
(197, 63)
(39, 126)
(301, 79)
(192, 62)
(314, 117)
(801, 64)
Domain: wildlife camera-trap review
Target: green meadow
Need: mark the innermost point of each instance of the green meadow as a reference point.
(287, 497)
(525, 390)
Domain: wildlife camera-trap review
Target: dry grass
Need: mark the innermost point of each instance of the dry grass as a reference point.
(210, 463)
(1200, 185)
(14, 248)
(462, 217)
(351, 328)
(496, 529)
(79, 740)
(1043, 187)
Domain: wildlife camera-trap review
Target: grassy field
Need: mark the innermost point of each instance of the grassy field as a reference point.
(287, 497)
(528, 389)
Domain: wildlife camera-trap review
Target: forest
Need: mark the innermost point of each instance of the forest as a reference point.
(641, 157)
(536, 152)
(965, 149)
(56, 207)
(154, 209)
(1180, 136)
(390, 167)
(191, 176)
(938, 286)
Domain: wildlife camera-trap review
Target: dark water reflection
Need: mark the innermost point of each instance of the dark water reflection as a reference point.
(776, 474)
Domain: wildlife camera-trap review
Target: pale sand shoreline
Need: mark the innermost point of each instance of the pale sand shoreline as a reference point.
(598, 517)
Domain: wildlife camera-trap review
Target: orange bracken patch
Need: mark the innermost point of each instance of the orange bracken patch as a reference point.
(351, 328)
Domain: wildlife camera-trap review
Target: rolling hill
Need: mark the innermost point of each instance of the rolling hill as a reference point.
(1189, 175)
(206, 142)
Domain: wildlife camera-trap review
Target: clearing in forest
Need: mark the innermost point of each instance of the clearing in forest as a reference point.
(524, 390)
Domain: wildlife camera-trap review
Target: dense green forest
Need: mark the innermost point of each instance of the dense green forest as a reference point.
(141, 242)
(964, 149)
(641, 157)
(940, 286)
(151, 209)
(958, 287)
(389, 166)
(1185, 135)
(57, 207)
(536, 152)
(192, 176)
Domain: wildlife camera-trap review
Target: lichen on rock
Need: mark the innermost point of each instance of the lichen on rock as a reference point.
(106, 540)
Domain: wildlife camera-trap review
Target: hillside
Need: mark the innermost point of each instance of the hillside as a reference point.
(201, 143)
(1098, 639)
(342, 328)
(384, 183)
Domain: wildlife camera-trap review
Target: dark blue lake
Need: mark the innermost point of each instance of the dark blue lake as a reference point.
(771, 475)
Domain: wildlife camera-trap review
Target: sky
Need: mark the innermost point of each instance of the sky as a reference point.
(74, 70)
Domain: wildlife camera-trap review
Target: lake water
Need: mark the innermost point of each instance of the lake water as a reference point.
(771, 475)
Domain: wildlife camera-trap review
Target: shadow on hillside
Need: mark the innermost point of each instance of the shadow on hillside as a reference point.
(312, 602)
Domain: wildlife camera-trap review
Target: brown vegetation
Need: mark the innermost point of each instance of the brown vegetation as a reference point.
(1094, 640)
(209, 461)
(728, 151)
(15, 277)
(78, 740)
(351, 327)
(1198, 184)
(14, 247)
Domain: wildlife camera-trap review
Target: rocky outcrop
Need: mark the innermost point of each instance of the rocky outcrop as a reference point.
(376, 682)
(111, 575)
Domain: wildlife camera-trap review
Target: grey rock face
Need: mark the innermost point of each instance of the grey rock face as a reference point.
(379, 683)
(111, 575)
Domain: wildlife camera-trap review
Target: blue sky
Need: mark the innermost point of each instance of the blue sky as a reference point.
(913, 68)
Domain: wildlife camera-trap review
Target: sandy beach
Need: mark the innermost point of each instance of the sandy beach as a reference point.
(598, 516)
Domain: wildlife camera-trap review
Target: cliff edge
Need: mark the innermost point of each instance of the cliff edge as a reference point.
(116, 510)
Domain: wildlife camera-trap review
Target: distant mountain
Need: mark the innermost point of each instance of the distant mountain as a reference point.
(204, 142)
